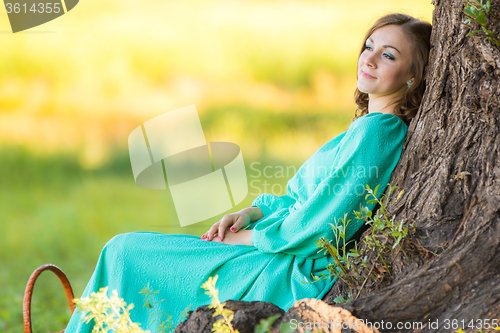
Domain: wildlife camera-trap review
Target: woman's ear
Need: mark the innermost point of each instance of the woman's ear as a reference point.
(409, 82)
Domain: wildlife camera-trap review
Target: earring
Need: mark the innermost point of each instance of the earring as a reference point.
(408, 86)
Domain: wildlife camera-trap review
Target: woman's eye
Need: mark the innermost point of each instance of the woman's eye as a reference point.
(387, 55)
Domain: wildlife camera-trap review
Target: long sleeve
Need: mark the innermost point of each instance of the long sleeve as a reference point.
(367, 154)
(269, 203)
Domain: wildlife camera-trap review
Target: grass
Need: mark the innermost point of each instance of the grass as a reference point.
(53, 211)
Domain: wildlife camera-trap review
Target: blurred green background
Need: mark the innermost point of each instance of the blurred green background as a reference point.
(275, 77)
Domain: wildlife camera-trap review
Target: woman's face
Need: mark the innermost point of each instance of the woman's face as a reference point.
(384, 64)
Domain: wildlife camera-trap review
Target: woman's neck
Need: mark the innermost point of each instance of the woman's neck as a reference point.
(382, 104)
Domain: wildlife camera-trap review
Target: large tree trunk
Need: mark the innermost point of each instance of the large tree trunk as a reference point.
(450, 171)
(455, 131)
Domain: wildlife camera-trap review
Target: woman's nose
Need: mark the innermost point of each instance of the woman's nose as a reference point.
(370, 60)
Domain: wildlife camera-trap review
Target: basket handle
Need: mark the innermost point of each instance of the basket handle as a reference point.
(29, 291)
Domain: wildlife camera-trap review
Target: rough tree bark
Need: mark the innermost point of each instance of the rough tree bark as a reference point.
(456, 130)
(450, 171)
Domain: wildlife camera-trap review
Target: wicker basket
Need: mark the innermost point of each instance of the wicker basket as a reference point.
(29, 291)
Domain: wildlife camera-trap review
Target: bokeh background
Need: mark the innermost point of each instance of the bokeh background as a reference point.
(275, 77)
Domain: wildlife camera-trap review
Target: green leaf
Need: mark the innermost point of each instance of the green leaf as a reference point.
(359, 215)
(489, 38)
(473, 32)
(481, 18)
(340, 299)
(396, 244)
(488, 32)
(468, 11)
(474, 11)
(286, 327)
(265, 324)
(392, 188)
(375, 191)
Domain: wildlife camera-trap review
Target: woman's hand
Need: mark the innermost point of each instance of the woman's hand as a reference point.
(236, 221)
(242, 237)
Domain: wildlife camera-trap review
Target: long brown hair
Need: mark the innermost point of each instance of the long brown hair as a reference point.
(418, 33)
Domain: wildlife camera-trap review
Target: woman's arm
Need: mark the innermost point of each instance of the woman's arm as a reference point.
(269, 203)
(367, 155)
(255, 213)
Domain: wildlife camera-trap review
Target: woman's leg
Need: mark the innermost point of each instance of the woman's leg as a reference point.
(175, 265)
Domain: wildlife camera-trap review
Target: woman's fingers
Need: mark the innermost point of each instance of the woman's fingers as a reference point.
(224, 223)
(213, 230)
(209, 236)
(219, 229)
(236, 225)
(233, 221)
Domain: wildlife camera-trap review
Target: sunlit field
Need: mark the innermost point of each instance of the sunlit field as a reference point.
(276, 78)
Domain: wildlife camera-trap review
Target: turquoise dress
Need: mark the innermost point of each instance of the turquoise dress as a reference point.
(328, 185)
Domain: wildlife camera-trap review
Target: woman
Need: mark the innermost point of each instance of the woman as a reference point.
(270, 247)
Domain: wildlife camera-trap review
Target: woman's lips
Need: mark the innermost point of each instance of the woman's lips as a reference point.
(368, 76)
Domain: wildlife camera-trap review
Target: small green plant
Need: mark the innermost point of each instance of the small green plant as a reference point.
(341, 299)
(110, 314)
(343, 264)
(155, 316)
(357, 265)
(264, 325)
(384, 229)
(476, 10)
(222, 325)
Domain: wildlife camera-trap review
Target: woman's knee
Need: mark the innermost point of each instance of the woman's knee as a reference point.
(117, 241)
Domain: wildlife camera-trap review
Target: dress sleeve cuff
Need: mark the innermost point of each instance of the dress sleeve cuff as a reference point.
(259, 202)
(265, 210)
